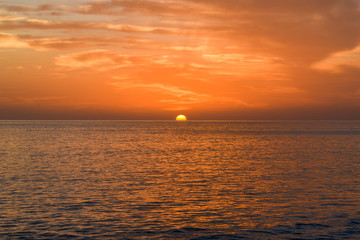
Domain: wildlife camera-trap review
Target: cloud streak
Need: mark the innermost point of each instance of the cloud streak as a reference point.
(181, 98)
(10, 41)
(52, 25)
(95, 58)
(337, 61)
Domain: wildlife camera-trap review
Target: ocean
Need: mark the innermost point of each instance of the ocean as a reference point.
(179, 180)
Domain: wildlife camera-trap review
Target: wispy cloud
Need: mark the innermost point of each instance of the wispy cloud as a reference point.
(158, 87)
(337, 61)
(100, 58)
(61, 25)
(10, 41)
(22, 8)
(149, 7)
(69, 43)
(181, 98)
(21, 100)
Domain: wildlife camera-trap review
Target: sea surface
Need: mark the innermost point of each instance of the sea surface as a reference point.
(179, 180)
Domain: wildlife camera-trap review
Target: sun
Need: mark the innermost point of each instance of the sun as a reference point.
(181, 118)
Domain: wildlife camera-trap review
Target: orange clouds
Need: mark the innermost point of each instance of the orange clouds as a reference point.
(337, 60)
(236, 56)
(10, 41)
(90, 59)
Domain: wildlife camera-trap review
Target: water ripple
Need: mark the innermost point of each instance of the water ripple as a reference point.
(164, 180)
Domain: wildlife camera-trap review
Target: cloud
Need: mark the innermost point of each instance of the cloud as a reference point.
(58, 25)
(184, 48)
(10, 17)
(68, 43)
(279, 6)
(181, 97)
(40, 24)
(337, 61)
(47, 9)
(10, 41)
(234, 57)
(16, 8)
(240, 64)
(146, 7)
(100, 58)
(175, 91)
(107, 60)
(53, 43)
(39, 43)
(50, 43)
(35, 100)
(302, 32)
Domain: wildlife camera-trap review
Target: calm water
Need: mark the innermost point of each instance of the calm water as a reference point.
(179, 180)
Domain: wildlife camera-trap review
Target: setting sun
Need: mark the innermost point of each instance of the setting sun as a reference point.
(181, 118)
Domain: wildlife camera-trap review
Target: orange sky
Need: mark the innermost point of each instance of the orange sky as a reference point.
(155, 59)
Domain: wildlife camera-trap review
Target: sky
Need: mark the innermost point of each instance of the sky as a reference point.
(155, 59)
